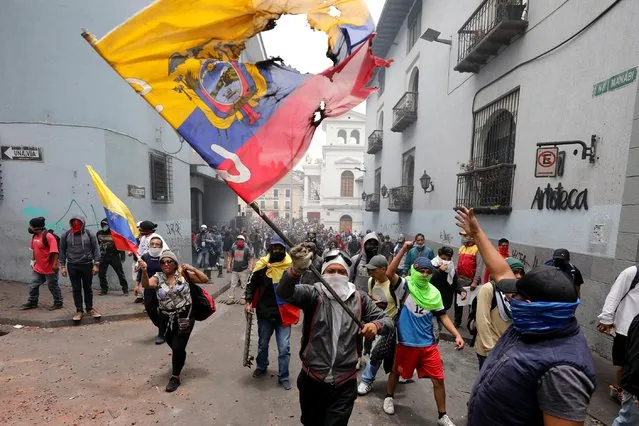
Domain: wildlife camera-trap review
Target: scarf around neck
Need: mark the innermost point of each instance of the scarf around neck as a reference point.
(273, 270)
(425, 295)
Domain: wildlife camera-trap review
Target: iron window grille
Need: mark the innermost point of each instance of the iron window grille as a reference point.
(262, 205)
(486, 182)
(287, 205)
(276, 205)
(161, 168)
(276, 193)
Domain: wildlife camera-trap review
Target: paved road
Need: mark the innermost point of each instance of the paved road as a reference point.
(113, 374)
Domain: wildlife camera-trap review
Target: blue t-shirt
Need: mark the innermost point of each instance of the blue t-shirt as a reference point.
(415, 326)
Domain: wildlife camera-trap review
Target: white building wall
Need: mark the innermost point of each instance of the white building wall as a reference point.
(555, 103)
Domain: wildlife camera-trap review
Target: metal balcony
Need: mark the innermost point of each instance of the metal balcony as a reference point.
(400, 199)
(405, 112)
(371, 203)
(375, 142)
(487, 190)
(493, 25)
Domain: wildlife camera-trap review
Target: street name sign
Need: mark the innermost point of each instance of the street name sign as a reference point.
(21, 153)
(615, 82)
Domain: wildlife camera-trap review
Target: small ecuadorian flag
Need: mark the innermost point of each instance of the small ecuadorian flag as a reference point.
(121, 222)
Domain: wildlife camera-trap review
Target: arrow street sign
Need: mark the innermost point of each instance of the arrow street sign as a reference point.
(21, 153)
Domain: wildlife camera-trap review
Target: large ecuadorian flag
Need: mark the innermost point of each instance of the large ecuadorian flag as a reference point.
(250, 122)
(121, 222)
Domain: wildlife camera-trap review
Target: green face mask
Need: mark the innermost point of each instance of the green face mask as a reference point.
(424, 294)
(419, 279)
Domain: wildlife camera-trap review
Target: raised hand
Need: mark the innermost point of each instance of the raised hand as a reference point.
(467, 221)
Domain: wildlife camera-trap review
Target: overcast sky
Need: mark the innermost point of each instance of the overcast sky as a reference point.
(305, 50)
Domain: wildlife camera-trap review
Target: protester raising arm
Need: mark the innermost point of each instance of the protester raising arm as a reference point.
(391, 271)
(494, 261)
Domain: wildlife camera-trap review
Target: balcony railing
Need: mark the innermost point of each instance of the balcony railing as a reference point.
(487, 190)
(375, 142)
(493, 25)
(400, 199)
(371, 204)
(405, 112)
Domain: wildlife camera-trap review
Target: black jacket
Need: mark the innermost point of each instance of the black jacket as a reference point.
(448, 291)
(260, 289)
(630, 375)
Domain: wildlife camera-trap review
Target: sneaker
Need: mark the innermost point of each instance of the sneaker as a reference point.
(286, 384)
(445, 421)
(403, 380)
(173, 384)
(139, 300)
(125, 292)
(94, 313)
(389, 406)
(159, 339)
(230, 302)
(28, 306)
(364, 388)
(259, 372)
(242, 301)
(103, 293)
(78, 316)
(55, 306)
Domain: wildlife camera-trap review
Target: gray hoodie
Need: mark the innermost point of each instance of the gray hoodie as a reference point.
(81, 248)
(359, 274)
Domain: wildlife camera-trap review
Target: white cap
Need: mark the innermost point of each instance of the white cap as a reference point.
(241, 237)
(204, 227)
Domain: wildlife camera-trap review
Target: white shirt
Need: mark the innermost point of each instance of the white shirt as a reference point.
(617, 311)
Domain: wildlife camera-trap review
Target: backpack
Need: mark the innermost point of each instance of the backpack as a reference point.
(202, 304)
(45, 240)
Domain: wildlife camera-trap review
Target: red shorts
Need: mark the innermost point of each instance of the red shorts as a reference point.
(426, 361)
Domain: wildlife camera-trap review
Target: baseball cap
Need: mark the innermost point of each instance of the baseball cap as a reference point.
(204, 227)
(377, 261)
(147, 225)
(423, 263)
(37, 223)
(241, 237)
(515, 264)
(277, 240)
(542, 284)
(561, 254)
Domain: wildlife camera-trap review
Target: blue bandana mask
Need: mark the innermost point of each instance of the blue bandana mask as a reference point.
(541, 316)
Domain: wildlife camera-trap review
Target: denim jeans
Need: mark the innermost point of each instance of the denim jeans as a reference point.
(368, 376)
(629, 413)
(52, 284)
(265, 329)
(203, 259)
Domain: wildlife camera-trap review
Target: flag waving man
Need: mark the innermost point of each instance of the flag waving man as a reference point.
(250, 122)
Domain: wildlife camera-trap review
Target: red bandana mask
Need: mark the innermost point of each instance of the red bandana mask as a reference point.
(76, 226)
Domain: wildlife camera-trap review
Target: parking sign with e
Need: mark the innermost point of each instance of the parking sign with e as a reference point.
(546, 162)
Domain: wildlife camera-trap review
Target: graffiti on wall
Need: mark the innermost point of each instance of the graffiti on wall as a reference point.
(61, 222)
(529, 262)
(179, 243)
(445, 237)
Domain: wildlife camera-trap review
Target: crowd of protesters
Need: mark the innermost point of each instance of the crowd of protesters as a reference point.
(531, 353)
